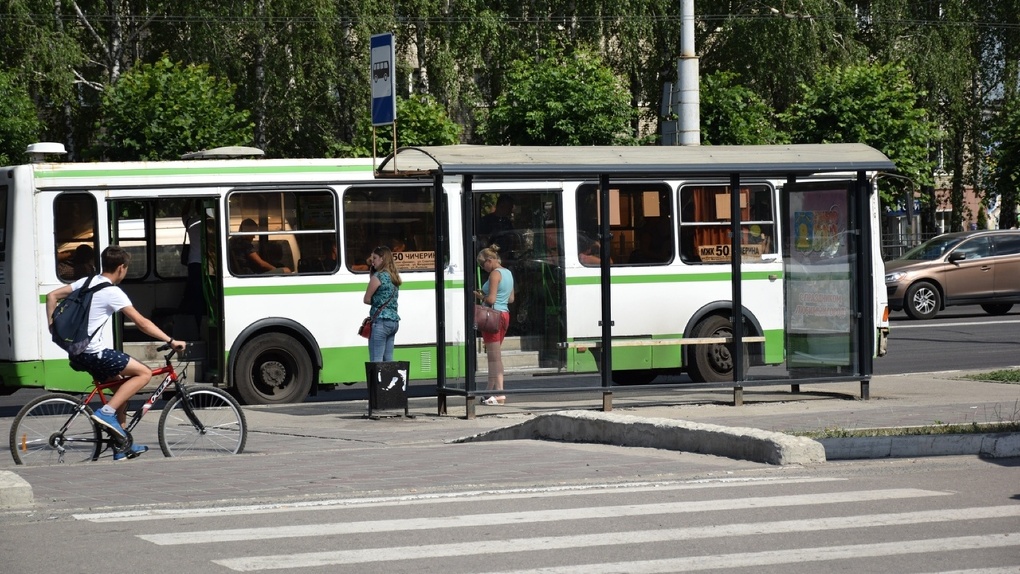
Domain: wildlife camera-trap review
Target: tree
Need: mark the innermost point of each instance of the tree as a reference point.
(421, 121)
(875, 105)
(774, 49)
(1006, 162)
(565, 98)
(160, 111)
(732, 114)
(19, 125)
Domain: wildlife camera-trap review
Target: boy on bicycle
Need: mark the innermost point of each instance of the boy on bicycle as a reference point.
(106, 364)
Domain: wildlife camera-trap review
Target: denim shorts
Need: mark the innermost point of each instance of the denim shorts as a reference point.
(103, 365)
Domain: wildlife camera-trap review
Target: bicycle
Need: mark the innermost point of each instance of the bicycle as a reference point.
(58, 427)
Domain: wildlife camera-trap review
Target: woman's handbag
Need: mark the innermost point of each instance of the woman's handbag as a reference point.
(365, 330)
(487, 319)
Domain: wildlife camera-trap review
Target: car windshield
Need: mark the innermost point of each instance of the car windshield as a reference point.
(933, 248)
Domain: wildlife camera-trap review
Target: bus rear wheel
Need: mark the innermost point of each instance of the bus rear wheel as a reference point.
(272, 369)
(713, 363)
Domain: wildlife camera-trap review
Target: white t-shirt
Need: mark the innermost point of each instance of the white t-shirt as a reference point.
(105, 303)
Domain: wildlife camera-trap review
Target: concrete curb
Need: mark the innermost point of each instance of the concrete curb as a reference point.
(985, 445)
(751, 444)
(15, 492)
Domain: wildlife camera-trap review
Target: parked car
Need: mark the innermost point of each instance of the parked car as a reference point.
(963, 268)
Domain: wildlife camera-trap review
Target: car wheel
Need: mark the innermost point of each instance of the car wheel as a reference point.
(922, 301)
(997, 308)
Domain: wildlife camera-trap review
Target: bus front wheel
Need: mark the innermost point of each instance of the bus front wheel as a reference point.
(273, 369)
(713, 362)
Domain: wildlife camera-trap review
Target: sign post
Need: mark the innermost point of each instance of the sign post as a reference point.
(384, 97)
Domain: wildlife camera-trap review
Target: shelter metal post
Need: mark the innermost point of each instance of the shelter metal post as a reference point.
(439, 203)
(866, 327)
(737, 344)
(470, 271)
(607, 303)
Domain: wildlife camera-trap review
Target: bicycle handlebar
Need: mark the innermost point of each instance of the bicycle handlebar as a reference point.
(165, 347)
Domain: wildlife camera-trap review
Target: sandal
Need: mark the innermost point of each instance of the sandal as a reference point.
(492, 401)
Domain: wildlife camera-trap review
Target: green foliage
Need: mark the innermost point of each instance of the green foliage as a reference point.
(421, 121)
(872, 104)
(163, 110)
(1006, 163)
(561, 99)
(774, 52)
(1000, 376)
(19, 125)
(733, 114)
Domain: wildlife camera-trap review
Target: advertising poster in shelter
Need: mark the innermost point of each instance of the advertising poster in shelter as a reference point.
(819, 272)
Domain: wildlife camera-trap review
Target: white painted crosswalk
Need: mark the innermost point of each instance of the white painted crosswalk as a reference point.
(555, 525)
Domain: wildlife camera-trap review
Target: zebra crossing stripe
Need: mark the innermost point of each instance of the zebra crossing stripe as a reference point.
(685, 564)
(437, 498)
(548, 515)
(795, 556)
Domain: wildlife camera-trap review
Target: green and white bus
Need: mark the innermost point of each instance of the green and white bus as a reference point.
(277, 336)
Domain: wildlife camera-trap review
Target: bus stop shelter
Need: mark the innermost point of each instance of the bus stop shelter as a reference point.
(846, 276)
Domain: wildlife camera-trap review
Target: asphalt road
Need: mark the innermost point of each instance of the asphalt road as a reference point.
(905, 516)
(963, 338)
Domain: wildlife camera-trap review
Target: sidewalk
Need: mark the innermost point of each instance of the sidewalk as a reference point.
(331, 449)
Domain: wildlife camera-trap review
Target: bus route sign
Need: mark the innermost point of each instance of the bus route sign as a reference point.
(384, 97)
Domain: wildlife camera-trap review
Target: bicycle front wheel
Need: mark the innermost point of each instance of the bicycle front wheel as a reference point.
(204, 421)
(54, 428)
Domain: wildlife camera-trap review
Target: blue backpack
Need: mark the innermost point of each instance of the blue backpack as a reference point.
(71, 319)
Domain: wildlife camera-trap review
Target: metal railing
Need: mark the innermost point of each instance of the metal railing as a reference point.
(896, 244)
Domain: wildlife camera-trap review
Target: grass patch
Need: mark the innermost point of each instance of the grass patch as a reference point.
(1001, 376)
(927, 430)
(1007, 422)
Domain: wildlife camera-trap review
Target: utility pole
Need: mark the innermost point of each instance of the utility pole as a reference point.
(687, 79)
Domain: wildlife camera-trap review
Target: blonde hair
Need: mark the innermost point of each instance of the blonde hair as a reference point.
(388, 265)
(490, 252)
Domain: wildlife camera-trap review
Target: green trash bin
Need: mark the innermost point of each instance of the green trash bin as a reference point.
(387, 387)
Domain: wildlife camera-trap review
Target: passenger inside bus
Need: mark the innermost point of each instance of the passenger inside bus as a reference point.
(589, 250)
(81, 262)
(654, 243)
(245, 258)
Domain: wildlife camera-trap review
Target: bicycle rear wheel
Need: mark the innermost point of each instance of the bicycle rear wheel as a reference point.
(218, 427)
(55, 428)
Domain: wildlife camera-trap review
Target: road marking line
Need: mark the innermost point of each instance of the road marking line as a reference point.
(538, 544)
(799, 555)
(927, 325)
(527, 517)
(414, 499)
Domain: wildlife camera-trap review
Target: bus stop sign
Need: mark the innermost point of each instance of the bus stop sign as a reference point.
(384, 97)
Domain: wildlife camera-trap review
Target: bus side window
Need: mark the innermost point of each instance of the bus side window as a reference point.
(399, 217)
(287, 230)
(75, 233)
(640, 221)
(705, 223)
